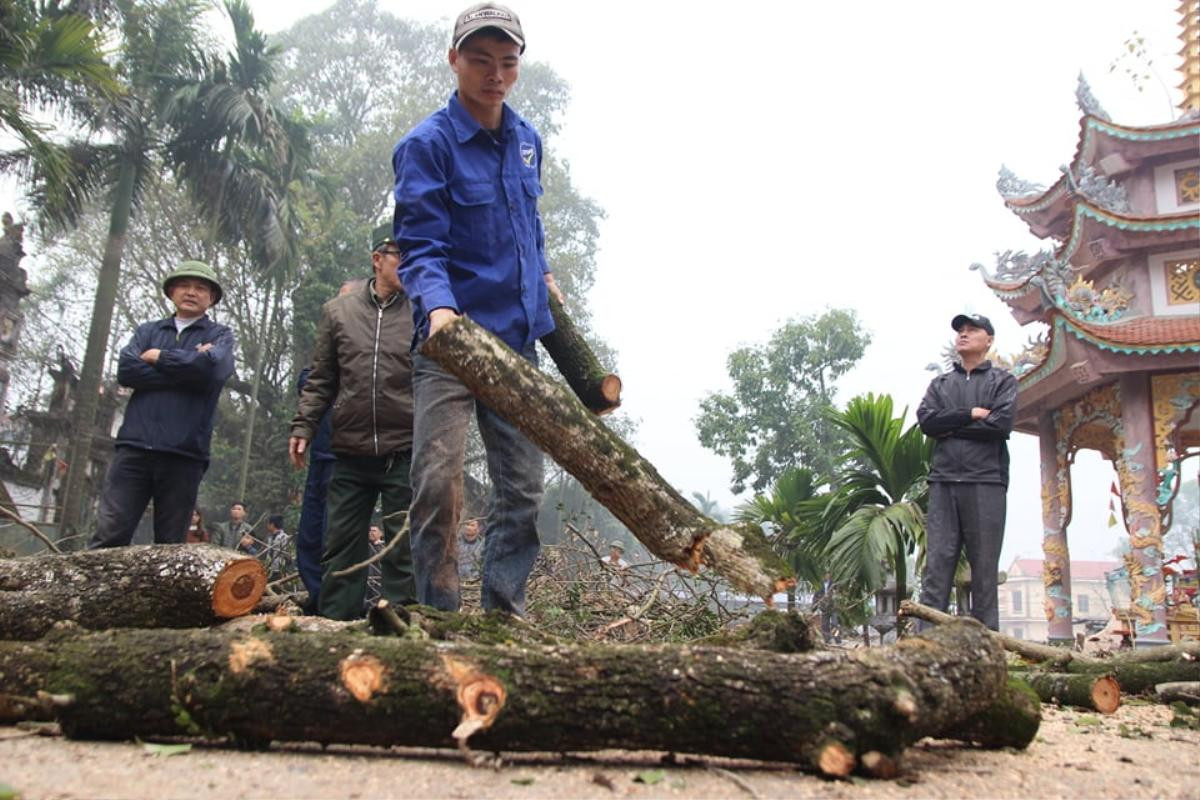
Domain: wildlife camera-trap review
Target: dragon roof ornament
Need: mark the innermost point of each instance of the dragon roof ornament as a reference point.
(1098, 188)
(1087, 101)
(1009, 185)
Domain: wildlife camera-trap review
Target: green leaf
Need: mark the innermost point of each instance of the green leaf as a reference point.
(522, 781)
(650, 777)
(166, 749)
(1087, 719)
(8, 793)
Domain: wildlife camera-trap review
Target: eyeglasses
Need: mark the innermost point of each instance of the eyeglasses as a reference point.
(389, 252)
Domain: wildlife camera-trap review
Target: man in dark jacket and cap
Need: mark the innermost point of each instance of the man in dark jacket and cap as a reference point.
(969, 412)
(176, 368)
(362, 367)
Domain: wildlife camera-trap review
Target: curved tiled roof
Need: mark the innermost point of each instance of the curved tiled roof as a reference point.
(1085, 211)
(1153, 334)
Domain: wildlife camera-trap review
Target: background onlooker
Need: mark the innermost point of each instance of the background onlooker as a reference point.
(197, 533)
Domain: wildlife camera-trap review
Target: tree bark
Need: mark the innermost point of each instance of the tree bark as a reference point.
(613, 472)
(148, 586)
(1187, 691)
(386, 691)
(1012, 720)
(1096, 692)
(596, 387)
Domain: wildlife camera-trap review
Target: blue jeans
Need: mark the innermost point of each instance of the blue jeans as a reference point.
(442, 410)
(135, 477)
(310, 533)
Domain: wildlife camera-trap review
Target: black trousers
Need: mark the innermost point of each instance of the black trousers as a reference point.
(969, 515)
(137, 477)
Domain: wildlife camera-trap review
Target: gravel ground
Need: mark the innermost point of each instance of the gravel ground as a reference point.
(1133, 753)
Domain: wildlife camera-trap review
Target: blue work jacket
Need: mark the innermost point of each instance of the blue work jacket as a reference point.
(467, 222)
(174, 400)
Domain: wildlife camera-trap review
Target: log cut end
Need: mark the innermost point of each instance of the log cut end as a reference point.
(880, 765)
(835, 760)
(238, 588)
(362, 675)
(1106, 694)
(610, 391)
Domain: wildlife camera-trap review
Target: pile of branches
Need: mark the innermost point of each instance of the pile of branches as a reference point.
(577, 596)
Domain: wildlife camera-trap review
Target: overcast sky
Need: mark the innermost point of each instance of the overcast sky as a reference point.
(761, 161)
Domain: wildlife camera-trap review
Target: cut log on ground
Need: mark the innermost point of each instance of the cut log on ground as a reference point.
(1187, 691)
(1012, 720)
(1095, 692)
(259, 687)
(1141, 678)
(1030, 650)
(147, 586)
(596, 387)
(613, 472)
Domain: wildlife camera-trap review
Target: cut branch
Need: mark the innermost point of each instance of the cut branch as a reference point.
(612, 471)
(596, 387)
(147, 586)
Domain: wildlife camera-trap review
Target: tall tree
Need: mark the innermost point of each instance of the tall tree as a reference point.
(775, 417)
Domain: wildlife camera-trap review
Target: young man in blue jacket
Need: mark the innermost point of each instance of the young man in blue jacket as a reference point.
(176, 368)
(968, 412)
(467, 222)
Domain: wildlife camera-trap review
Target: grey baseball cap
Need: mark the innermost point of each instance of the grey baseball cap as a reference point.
(978, 320)
(488, 15)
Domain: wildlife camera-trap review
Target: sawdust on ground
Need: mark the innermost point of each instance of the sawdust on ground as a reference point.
(1133, 753)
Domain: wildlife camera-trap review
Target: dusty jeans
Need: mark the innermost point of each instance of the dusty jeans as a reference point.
(969, 515)
(442, 412)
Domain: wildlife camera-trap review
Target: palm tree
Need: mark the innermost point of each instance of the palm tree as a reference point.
(788, 510)
(875, 517)
(51, 56)
(247, 165)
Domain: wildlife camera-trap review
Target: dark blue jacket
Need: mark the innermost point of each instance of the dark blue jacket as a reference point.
(967, 450)
(467, 221)
(319, 447)
(174, 401)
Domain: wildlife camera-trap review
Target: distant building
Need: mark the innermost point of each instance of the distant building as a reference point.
(1023, 597)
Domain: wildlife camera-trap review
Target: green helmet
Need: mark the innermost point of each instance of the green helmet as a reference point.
(194, 269)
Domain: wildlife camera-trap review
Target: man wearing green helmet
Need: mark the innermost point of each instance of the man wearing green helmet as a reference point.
(176, 368)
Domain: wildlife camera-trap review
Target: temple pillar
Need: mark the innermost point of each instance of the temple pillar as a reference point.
(1056, 513)
(1135, 465)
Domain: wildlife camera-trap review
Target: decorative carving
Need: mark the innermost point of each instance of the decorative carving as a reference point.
(1187, 186)
(1183, 280)
(1099, 188)
(1107, 305)
(1009, 185)
(1087, 101)
(1174, 396)
(1036, 350)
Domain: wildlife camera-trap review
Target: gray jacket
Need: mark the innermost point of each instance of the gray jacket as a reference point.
(966, 450)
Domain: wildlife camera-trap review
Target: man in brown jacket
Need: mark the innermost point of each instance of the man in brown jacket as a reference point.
(362, 366)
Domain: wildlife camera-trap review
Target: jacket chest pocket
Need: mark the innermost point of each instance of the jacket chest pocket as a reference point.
(472, 216)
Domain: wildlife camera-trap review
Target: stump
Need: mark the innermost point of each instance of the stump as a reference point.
(147, 586)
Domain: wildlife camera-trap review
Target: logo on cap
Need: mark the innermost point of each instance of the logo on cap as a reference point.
(487, 13)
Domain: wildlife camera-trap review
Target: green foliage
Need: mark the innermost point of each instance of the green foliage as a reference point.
(51, 55)
(775, 417)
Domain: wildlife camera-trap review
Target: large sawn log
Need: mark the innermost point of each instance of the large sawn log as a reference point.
(825, 710)
(613, 472)
(596, 387)
(145, 586)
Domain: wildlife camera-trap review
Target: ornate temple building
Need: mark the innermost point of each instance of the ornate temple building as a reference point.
(1118, 368)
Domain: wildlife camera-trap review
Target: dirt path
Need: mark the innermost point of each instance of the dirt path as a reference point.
(1133, 753)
